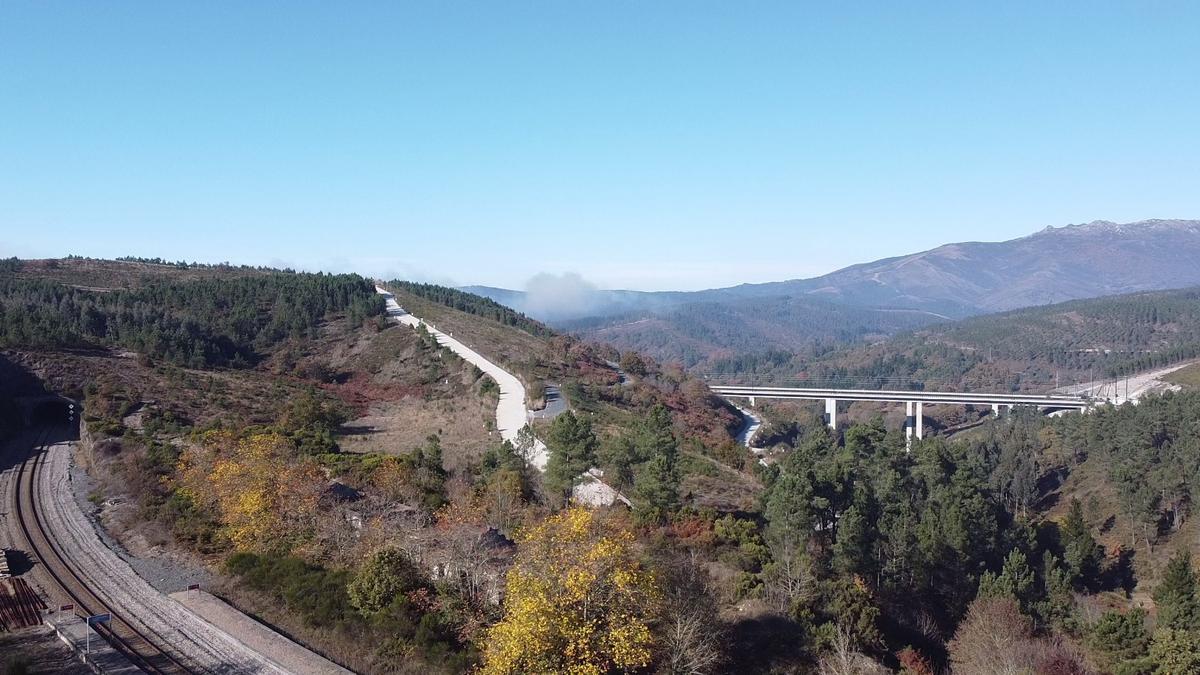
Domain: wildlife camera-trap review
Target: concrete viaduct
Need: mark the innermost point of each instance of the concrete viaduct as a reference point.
(914, 401)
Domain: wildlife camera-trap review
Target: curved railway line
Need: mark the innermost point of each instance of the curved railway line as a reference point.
(123, 636)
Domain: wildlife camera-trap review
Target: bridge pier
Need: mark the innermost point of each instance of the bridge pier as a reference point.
(908, 425)
(914, 422)
(908, 416)
(831, 413)
(751, 401)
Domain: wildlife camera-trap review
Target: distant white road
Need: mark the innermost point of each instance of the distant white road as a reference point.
(1130, 388)
(751, 423)
(511, 413)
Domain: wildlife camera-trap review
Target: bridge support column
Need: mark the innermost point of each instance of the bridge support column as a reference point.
(831, 413)
(920, 419)
(751, 401)
(908, 424)
(996, 409)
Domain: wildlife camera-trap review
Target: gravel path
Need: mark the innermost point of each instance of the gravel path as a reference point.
(201, 646)
(166, 576)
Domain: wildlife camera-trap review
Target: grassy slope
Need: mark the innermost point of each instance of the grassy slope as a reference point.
(1188, 377)
(528, 357)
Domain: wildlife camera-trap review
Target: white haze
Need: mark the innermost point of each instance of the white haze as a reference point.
(554, 297)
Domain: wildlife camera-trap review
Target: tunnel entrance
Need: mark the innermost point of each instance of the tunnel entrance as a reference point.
(49, 413)
(48, 410)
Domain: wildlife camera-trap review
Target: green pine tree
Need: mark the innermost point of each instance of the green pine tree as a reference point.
(1080, 551)
(1175, 596)
(1120, 640)
(1175, 651)
(571, 444)
(657, 483)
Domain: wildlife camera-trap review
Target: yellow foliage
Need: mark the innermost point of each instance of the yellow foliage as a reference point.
(393, 480)
(577, 601)
(262, 495)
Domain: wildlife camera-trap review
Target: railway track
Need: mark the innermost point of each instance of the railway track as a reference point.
(122, 635)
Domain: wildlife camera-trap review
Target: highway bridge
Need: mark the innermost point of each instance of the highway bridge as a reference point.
(914, 401)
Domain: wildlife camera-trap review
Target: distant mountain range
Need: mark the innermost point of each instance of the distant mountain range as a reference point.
(949, 282)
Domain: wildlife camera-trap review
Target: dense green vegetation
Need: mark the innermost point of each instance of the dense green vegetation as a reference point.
(859, 538)
(1152, 455)
(862, 545)
(201, 323)
(382, 600)
(185, 265)
(1110, 336)
(474, 304)
(1023, 349)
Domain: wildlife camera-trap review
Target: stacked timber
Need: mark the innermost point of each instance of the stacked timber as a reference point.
(19, 605)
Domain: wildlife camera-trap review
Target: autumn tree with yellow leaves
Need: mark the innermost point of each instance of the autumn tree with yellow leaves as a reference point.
(577, 601)
(264, 498)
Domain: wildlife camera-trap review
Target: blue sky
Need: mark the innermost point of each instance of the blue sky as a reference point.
(642, 145)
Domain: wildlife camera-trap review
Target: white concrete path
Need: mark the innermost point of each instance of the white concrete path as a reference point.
(511, 413)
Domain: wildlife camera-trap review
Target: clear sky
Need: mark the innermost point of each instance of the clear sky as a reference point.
(650, 145)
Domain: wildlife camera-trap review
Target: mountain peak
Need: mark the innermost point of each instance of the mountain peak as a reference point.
(1110, 227)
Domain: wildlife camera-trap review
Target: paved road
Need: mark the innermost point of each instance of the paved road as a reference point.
(622, 376)
(555, 404)
(751, 423)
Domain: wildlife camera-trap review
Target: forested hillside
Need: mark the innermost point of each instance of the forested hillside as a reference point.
(206, 322)
(1068, 536)
(282, 382)
(1023, 349)
(698, 334)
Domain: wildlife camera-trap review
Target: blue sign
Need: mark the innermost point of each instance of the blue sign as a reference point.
(99, 618)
